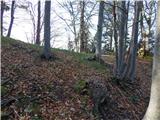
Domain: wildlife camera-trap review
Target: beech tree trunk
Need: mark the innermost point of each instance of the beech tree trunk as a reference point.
(47, 53)
(153, 111)
(12, 18)
(38, 23)
(2, 11)
(115, 35)
(99, 30)
(121, 44)
(82, 40)
(138, 8)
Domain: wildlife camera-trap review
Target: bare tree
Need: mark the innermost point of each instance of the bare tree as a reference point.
(4, 7)
(46, 52)
(149, 15)
(153, 111)
(38, 23)
(2, 11)
(99, 29)
(82, 25)
(121, 45)
(73, 9)
(12, 18)
(129, 69)
(115, 35)
(37, 26)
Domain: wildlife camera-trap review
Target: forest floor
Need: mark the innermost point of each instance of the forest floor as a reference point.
(36, 89)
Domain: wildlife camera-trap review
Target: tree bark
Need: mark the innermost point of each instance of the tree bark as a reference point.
(126, 26)
(2, 11)
(133, 51)
(82, 40)
(111, 40)
(12, 18)
(122, 31)
(99, 30)
(153, 111)
(47, 53)
(38, 23)
(115, 35)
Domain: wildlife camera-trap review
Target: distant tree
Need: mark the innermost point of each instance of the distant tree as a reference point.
(12, 18)
(73, 9)
(47, 53)
(99, 30)
(153, 111)
(38, 23)
(2, 11)
(108, 26)
(4, 7)
(84, 33)
(148, 17)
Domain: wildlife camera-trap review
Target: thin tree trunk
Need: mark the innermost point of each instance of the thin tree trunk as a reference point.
(138, 5)
(2, 11)
(153, 111)
(142, 31)
(47, 53)
(82, 40)
(111, 40)
(99, 30)
(125, 40)
(115, 35)
(126, 28)
(38, 23)
(12, 18)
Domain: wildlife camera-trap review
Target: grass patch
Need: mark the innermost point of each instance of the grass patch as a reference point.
(134, 99)
(4, 90)
(148, 58)
(80, 86)
(80, 57)
(8, 41)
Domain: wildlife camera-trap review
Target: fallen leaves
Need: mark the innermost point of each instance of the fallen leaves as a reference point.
(45, 89)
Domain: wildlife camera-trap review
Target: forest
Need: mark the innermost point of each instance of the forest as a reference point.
(80, 60)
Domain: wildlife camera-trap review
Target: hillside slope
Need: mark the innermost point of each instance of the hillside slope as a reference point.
(36, 89)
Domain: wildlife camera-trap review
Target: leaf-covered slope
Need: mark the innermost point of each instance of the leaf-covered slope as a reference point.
(43, 89)
(35, 89)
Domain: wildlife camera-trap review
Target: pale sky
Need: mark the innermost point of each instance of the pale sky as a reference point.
(22, 26)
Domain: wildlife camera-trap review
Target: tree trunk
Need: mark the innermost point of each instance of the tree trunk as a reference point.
(82, 40)
(138, 6)
(122, 31)
(141, 45)
(38, 23)
(126, 27)
(12, 18)
(115, 35)
(47, 53)
(99, 30)
(153, 111)
(2, 11)
(111, 40)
